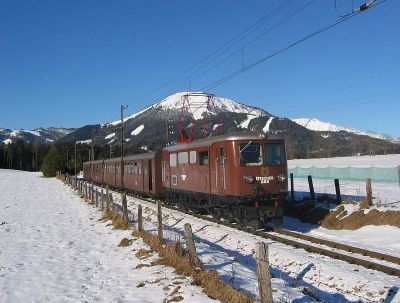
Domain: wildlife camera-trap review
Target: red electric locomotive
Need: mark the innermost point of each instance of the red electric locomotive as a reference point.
(240, 177)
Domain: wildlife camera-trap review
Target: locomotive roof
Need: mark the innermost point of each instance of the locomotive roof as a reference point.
(231, 137)
(93, 162)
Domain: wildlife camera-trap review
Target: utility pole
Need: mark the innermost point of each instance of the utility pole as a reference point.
(122, 144)
(92, 143)
(75, 158)
(167, 125)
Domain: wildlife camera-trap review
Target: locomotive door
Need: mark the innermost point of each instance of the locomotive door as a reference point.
(220, 169)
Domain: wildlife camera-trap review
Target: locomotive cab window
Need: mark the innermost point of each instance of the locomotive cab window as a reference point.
(203, 158)
(251, 154)
(274, 154)
(183, 158)
(172, 160)
(192, 157)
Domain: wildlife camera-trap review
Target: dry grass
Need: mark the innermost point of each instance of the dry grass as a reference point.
(173, 255)
(338, 219)
(125, 242)
(139, 266)
(118, 221)
(143, 253)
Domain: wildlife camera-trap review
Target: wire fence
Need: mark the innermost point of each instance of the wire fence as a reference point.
(377, 174)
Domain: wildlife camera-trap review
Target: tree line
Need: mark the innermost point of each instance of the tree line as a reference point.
(66, 157)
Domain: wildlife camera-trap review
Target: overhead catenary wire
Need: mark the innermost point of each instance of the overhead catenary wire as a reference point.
(225, 46)
(346, 101)
(309, 36)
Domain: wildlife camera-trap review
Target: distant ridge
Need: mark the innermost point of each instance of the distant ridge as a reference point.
(320, 126)
(43, 135)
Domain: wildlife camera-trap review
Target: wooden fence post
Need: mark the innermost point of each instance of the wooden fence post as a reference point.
(291, 186)
(102, 199)
(264, 277)
(311, 186)
(92, 198)
(97, 197)
(338, 195)
(369, 192)
(159, 221)
(140, 218)
(111, 201)
(107, 200)
(194, 260)
(124, 208)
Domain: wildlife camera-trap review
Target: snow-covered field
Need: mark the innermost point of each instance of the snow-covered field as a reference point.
(54, 249)
(387, 194)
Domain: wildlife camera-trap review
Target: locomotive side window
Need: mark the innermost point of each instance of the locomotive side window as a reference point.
(251, 154)
(203, 158)
(192, 157)
(172, 160)
(274, 154)
(183, 158)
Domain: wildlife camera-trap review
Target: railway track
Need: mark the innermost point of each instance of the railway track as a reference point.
(354, 255)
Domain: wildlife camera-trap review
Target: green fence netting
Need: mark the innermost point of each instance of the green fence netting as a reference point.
(378, 174)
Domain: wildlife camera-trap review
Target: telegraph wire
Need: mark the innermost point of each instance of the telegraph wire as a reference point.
(254, 40)
(225, 46)
(394, 98)
(331, 105)
(346, 101)
(309, 36)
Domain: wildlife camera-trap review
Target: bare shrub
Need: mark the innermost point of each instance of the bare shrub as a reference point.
(125, 242)
(118, 221)
(173, 255)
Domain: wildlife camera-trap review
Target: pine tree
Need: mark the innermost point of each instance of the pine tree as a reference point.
(51, 163)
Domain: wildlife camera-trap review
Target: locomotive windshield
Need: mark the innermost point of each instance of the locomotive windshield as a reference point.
(274, 154)
(251, 154)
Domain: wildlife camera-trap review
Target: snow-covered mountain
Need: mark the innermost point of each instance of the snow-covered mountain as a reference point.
(43, 135)
(200, 105)
(326, 127)
(158, 125)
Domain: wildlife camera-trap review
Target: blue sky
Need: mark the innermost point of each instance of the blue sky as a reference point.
(72, 63)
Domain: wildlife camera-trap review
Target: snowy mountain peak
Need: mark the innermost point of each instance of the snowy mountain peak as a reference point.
(198, 106)
(320, 126)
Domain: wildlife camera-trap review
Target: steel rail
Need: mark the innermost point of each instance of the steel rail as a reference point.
(299, 244)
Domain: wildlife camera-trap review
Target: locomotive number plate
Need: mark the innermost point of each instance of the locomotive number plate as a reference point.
(264, 180)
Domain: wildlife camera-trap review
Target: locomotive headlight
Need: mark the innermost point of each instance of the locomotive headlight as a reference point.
(281, 178)
(249, 179)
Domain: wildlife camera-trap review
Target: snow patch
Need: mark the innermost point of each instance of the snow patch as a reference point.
(85, 141)
(7, 141)
(110, 136)
(266, 127)
(137, 130)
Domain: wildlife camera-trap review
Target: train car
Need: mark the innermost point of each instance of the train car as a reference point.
(110, 171)
(97, 171)
(87, 171)
(142, 173)
(240, 177)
